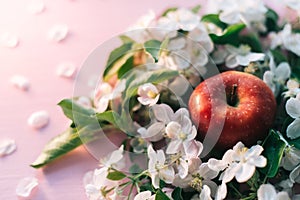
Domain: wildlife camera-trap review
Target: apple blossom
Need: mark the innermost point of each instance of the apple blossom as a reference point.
(232, 11)
(293, 88)
(105, 93)
(268, 192)
(153, 133)
(276, 75)
(241, 56)
(239, 162)
(293, 109)
(291, 158)
(180, 134)
(295, 175)
(287, 39)
(200, 35)
(115, 160)
(293, 4)
(98, 187)
(158, 168)
(204, 195)
(148, 94)
(145, 195)
(184, 19)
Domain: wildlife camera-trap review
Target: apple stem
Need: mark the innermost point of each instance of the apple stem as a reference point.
(233, 95)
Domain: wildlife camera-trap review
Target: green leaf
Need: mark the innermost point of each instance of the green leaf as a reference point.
(176, 194)
(196, 9)
(114, 56)
(125, 39)
(108, 116)
(214, 19)
(77, 113)
(135, 169)
(127, 66)
(160, 195)
(64, 143)
(115, 176)
(271, 20)
(253, 41)
(153, 47)
(273, 151)
(295, 65)
(278, 56)
(168, 10)
(229, 36)
(155, 77)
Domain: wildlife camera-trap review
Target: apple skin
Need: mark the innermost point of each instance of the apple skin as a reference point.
(247, 119)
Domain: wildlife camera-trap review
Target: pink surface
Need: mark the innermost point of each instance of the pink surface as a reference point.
(91, 22)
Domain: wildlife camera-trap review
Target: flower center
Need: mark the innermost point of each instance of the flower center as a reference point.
(151, 94)
(244, 50)
(182, 135)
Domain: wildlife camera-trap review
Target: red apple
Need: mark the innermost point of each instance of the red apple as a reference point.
(232, 107)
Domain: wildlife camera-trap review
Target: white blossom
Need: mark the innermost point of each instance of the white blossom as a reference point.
(293, 4)
(181, 134)
(268, 192)
(241, 56)
(205, 194)
(276, 75)
(7, 146)
(293, 109)
(239, 162)
(145, 195)
(291, 158)
(184, 19)
(293, 88)
(158, 168)
(287, 39)
(200, 35)
(148, 94)
(38, 119)
(295, 175)
(25, 186)
(105, 92)
(115, 160)
(250, 12)
(96, 186)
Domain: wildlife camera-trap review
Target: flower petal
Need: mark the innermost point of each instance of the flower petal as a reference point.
(174, 147)
(163, 112)
(145, 195)
(283, 72)
(66, 70)
(244, 173)
(231, 61)
(293, 130)
(38, 119)
(266, 192)
(25, 186)
(221, 192)
(173, 129)
(230, 17)
(205, 193)
(7, 146)
(58, 32)
(183, 168)
(207, 173)
(36, 7)
(9, 40)
(20, 82)
(167, 174)
(293, 107)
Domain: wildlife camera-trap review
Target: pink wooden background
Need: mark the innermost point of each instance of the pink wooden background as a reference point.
(91, 22)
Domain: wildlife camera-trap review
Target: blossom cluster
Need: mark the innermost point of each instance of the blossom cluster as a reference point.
(144, 92)
(234, 36)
